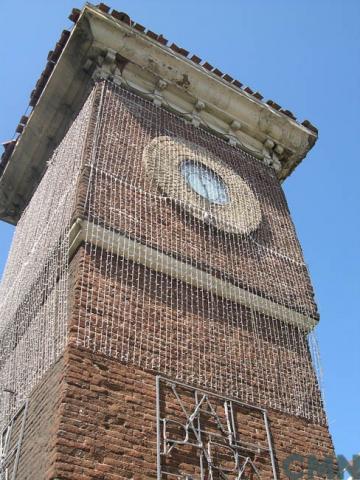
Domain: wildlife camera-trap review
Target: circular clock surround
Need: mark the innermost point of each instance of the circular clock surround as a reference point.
(218, 195)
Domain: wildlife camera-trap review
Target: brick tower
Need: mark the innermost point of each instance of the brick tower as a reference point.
(157, 314)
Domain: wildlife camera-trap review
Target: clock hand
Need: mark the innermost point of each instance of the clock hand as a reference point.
(203, 183)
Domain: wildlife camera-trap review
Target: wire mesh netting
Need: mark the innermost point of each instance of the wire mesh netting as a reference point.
(187, 261)
(34, 288)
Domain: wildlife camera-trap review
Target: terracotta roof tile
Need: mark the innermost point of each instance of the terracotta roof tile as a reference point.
(104, 8)
(152, 35)
(139, 27)
(123, 17)
(196, 59)
(65, 34)
(56, 53)
(207, 66)
(237, 83)
(162, 40)
(74, 15)
(49, 68)
(310, 126)
(288, 113)
(9, 147)
(228, 78)
(258, 95)
(273, 104)
(218, 72)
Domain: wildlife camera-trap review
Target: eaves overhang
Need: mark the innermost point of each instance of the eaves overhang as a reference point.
(103, 44)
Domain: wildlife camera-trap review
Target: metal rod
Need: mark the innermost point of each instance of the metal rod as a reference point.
(24, 408)
(8, 390)
(158, 429)
(217, 395)
(201, 459)
(193, 421)
(272, 458)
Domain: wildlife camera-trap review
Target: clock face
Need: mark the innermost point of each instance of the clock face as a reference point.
(205, 182)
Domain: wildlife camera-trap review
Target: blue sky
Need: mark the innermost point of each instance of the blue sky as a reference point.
(305, 55)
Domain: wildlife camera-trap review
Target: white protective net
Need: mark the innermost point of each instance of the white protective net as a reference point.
(187, 261)
(34, 288)
(202, 289)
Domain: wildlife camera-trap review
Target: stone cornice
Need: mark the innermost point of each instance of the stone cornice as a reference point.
(175, 82)
(102, 46)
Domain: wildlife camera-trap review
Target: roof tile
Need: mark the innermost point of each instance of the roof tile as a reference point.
(208, 66)
(237, 83)
(310, 126)
(123, 17)
(139, 27)
(104, 8)
(273, 104)
(65, 34)
(196, 59)
(162, 40)
(258, 95)
(228, 78)
(152, 35)
(74, 15)
(288, 113)
(178, 49)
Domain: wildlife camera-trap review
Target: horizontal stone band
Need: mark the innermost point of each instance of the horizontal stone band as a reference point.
(120, 245)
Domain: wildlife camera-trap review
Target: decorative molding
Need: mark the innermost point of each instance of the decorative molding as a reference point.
(189, 84)
(163, 157)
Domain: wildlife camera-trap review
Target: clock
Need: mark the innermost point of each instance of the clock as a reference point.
(202, 183)
(205, 182)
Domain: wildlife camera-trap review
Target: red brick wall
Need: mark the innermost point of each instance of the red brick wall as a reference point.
(93, 418)
(107, 427)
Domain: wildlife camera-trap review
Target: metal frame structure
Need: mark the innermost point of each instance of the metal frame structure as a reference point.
(9, 450)
(206, 441)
